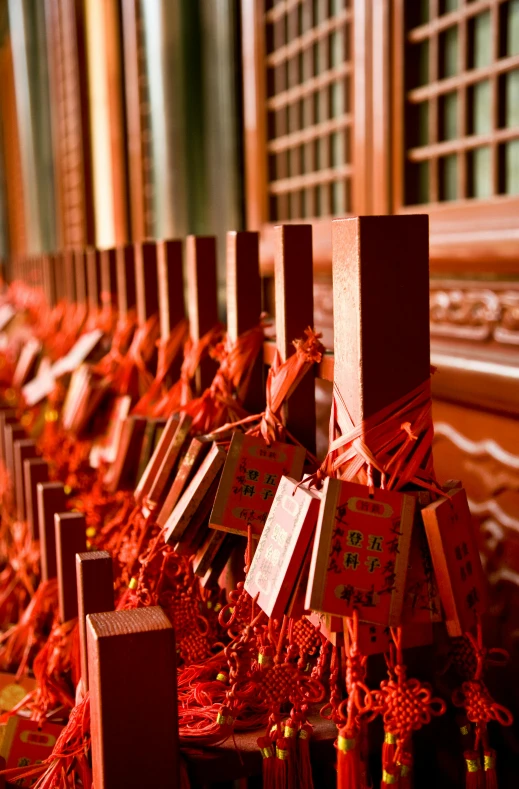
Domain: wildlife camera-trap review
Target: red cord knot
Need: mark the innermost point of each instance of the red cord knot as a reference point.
(479, 704)
(407, 706)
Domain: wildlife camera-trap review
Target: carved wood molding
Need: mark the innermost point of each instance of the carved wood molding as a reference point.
(486, 447)
(475, 311)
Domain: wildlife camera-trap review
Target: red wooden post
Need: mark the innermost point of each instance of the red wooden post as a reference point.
(70, 530)
(244, 302)
(24, 449)
(13, 432)
(35, 470)
(59, 276)
(134, 734)
(293, 269)
(146, 280)
(95, 594)
(170, 285)
(51, 498)
(202, 297)
(380, 309)
(69, 274)
(126, 279)
(93, 271)
(108, 266)
(7, 417)
(80, 276)
(49, 282)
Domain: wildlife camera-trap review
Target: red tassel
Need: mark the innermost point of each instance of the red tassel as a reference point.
(267, 751)
(474, 776)
(349, 768)
(390, 777)
(489, 764)
(290, 732)
(281, 764)
(406, 771)
(305, 778)
(390, 771)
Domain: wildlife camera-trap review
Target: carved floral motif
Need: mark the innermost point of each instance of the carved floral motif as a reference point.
(477, 313)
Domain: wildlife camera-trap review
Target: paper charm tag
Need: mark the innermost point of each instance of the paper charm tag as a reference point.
(282, 546)
(40, 386)
(375, 639)
(28, 743)
(13, 690)
(421, 598)
(457, 564)
(26, 365)
(249, 482)
(188, 465)
(78, 353)
(361, 552)
(104, 449)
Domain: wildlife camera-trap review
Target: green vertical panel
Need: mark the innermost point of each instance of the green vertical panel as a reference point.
(337, 99)
(423, 182)
(450, 5)
(512, 167)
(338, 198)
(482, 172)
(482, 115)
(450, 54)
(337, 149)
(482, 40)
(512, 98)
(450, 116)
(423, 123)
(337, 48)
(450, 173)
(512, 37)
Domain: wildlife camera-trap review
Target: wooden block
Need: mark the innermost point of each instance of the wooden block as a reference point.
(249, 482)
(27, 363)
(361, 551)
(7, 417)
(50, 498)
(146, 280)
(108, 274)
(380, 309)
(207, 553)
(81, 276)
(93, 268)
(244, 303)
(133, 649)
(70, 532)
(293, 269)
(13, 432)
(202, 297)
(454, 550)
(154, 427)
(49, 281)
(146, 480)
(35, 470)
(196, 530)
(95, 594)
(170, 285)
(69, 274)
(59, 277)
(195, 492)
(158, 488)
(24, 449)
(188, 466)
(126, 290)
(122, 473)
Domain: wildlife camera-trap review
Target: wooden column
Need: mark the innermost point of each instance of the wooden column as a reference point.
(133, 650)
(13, 432)
(69, 274)
(170, 285)
(244, 303)
(93, 270)
(293, 270)
(51, 498)
(70, 529)
(24, 449)
(80, 276)
(95, 594)
(126, 292)
(202, 297)
(35, 470)
(380, 309)
(146, 280)
(7, 417)
(49, 282)
(108, 266)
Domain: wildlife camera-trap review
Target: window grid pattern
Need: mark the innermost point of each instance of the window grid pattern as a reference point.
(462, 100)
(309, 117)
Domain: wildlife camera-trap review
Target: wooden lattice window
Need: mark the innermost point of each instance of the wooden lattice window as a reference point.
(308, 98)
(462, 100)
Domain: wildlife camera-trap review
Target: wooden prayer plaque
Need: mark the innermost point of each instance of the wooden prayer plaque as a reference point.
(50, 498)
(95, 594)
(330, 626)
(122, 473)
(249, 482)
(361, 552)
(24, 449)
(189, 464)
(13, 432)
(282, 546)
(194, 494)
(35, 470)
(147, 478)
(149, 443)
(219, 561)
(159, 483)
(456, 560)
(196, 530)
(375, 639)
(134, 735)
(70, 530)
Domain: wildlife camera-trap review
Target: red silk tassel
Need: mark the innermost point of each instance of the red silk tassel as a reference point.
(390, 771)
(349, 767)
(390, 777)
(305, 778)
(281, 764)
(474, 778)
(290, 733)
(489, 765)
(267, 751)
(406, 771)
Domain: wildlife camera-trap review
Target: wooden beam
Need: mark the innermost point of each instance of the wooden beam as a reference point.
(146, 280)
(202, 297)
(126, 289)
(69, 274)
(13, 432)
(95, 594)
(23, 449)
(51, 498)
(133, 649)
(70, 531)
(293, 270)
(81, 276)
(35, 470)
(170, 285)
(93, 268)
(108, 266)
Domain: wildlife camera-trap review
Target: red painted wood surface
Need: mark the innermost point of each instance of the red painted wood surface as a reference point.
(35, 470)
(50, 499)
(23, 449)
(70, 529)
(95, 594)
(202, 297)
